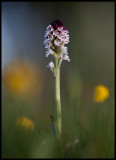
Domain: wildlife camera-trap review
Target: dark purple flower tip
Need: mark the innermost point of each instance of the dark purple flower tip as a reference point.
(57, 23)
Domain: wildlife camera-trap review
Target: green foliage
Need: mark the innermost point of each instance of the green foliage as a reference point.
(92, 124)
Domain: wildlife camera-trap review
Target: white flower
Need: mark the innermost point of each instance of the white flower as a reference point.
(50, 28)
(55, 33)
(50, 37)
(57, 42)
(60, 28)
(50, 51)
(51, 66)
(64, 49)
(47, 53)
(65, 57)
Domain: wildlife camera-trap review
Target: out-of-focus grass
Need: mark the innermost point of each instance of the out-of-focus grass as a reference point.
(92, 124)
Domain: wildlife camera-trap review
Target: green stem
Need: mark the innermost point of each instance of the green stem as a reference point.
(58, 119)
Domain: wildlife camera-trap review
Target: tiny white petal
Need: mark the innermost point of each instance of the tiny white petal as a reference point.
(51, 64)
(66, 57)
(55, 32)
(47, 53)
(57, 42)
(64, 49)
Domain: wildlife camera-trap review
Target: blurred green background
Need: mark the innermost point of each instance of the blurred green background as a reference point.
(28, 86)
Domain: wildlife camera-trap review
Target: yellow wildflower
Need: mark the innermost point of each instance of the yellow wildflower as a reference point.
(100, 93)
(21, 77)
(25, 123)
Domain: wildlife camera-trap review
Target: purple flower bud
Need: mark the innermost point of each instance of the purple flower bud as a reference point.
(57, 23)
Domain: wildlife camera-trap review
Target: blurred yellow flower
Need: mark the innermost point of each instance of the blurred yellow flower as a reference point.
(22, 77)
(100, 93)
(25, 123)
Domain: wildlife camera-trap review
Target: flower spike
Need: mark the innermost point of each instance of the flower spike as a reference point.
(56, 37)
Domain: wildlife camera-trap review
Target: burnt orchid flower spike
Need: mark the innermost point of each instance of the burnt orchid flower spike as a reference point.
(56, 37)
